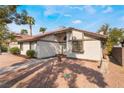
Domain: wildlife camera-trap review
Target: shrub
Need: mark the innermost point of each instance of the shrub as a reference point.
(30, 53)
(4, 48)
(14, 50)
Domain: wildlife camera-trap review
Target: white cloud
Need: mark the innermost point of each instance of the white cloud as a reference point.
(75, 7)
(50, 10)
(67, 15)
(108, 10)
(89, 9)
(76, 21)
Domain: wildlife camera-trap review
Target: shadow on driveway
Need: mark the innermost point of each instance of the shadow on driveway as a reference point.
(47, 77)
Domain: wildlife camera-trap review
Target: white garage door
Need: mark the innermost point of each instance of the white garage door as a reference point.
(47, 49)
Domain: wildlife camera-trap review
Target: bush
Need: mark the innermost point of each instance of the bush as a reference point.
(14, 50)
(30, 53)
(4, 48)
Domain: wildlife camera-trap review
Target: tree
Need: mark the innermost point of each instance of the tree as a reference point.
(104, 28)
(8, 14)
(24, 19)
(114, 37)
(3, 33)
(24, 32)
(30, 21)
(42, 29)
(5, 36)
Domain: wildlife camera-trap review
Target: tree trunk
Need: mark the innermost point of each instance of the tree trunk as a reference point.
(30, 30)
(105, 53)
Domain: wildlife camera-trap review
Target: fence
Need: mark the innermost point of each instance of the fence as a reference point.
(118, 54)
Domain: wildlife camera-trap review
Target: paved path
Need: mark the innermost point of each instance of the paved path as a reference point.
(13, 74)
(18, 64)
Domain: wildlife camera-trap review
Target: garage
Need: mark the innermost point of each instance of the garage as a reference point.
(47, 49)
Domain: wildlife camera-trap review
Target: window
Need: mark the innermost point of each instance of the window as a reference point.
(77, 46)
(21, 46)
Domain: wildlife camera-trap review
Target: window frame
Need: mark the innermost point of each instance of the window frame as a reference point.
(79, 46)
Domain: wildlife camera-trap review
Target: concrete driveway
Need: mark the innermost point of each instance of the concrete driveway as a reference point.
(9, 62)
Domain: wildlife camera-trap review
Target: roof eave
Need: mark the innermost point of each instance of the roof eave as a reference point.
(97, 36)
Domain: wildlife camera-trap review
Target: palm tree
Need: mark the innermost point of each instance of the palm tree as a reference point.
(24, 32)
(42, 29)
(30, 21)
(104, 28)
(105, 31)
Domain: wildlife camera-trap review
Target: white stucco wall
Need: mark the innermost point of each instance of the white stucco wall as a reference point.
(33, 45)
(14, 44)
(47, 49)
(25, 48)
(77, 35)
(92, 51)
(92, 48)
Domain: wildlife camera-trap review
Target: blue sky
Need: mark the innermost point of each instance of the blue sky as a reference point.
(84, 17)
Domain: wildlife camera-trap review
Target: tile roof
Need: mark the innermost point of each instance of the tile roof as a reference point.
(37, 37)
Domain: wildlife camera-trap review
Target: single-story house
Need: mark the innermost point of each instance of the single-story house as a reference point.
(71, 42)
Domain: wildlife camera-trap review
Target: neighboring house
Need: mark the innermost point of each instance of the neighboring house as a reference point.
(74, 43)
(18, 37)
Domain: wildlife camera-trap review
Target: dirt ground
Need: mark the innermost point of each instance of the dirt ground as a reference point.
(115, 75)
(8, 59)
(70, 73)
